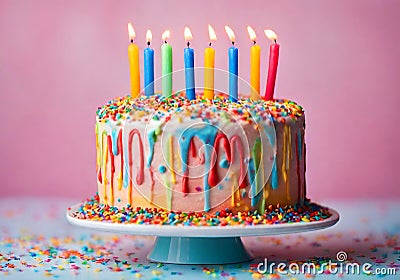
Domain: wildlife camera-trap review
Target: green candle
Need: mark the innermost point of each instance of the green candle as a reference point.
(166, 59)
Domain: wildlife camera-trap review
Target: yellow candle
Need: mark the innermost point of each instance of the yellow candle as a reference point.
(209, 58)
(255, 52)
(133, 56)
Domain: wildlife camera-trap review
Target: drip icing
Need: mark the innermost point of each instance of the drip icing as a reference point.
(274, 175)
(213, 179)
(99, 177)
(120, 150)
(252, 179)
(140, 173)
(193, 148)
(104, 160)
(254, 169)
(114, 138)
(287, 155)
(234, 187)
(109, 143)
(152, 137)
(171, 158)
(207, 135)
(98, 162)
(114, 144)
(239, 145)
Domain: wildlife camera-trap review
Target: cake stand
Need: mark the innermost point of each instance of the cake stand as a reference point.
(201, 245)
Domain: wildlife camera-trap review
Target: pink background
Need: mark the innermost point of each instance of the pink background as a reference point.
(339, 59)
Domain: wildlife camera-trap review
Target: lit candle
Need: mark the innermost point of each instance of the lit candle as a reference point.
(255, 51)
(273, 64)
(133, 56)
(166, 60)
(148, 57)
(188, 55)
(233, 66)
(209, 60)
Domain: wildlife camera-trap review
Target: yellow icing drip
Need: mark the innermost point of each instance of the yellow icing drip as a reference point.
(287, 155)
(104, 161)
(171, 158)
(130, 194)
(234, 187)
(98, 152)
(179, 161)
(120, 181)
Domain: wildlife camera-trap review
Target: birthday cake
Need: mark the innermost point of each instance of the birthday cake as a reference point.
(200, 155)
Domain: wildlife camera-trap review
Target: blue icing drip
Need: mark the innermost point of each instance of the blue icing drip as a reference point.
(274, 176)
(114, 137)
(224, 163)
(126, 178)
(270, 132)
(206, 134)
(299, 143)
(152, 139)
(253, 187)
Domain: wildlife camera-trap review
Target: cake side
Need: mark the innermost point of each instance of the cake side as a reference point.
(200, 155)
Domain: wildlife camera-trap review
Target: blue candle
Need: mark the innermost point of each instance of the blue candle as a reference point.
(233, 66)
(233, 73)
(188, 55)
(148, 57)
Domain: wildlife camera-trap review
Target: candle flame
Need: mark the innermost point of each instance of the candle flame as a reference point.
(211, 33)
(149, 36)
(131, 32)
(271, 35)
(230, 33)
(166, 35)
(252, 33)
(188, 34)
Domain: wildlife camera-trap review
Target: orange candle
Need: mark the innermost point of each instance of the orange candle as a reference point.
(133, 56)
(209, 60)
(255, 52)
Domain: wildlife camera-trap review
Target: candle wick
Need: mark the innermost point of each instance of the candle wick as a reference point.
(254, 42)
(188, 44)
(165, 42)
(233, 43)
(209, 44)
(131, 41)
(275, 41)
(148, 43)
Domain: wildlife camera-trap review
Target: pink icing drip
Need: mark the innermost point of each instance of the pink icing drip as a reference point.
(140, 174)
(236, 140)
(213, 179)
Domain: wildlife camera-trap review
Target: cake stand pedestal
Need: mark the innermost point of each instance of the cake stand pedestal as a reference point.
(201, 245)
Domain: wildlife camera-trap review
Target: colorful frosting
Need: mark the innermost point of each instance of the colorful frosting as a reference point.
(242, 155)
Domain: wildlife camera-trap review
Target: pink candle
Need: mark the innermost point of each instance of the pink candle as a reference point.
(272, 66)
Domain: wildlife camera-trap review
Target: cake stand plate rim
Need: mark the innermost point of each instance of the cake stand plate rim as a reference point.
(204, 231)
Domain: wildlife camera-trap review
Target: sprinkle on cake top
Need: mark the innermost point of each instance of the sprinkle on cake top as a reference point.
(159, 108)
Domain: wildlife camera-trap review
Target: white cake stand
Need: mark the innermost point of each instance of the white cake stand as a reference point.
(201, 245)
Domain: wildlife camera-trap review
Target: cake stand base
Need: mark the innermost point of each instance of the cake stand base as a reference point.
(201, 244)
(199, 250)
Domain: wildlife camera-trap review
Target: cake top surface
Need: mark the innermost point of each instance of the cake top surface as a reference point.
(158, 107)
